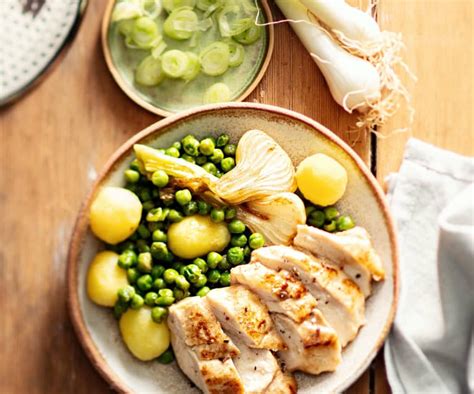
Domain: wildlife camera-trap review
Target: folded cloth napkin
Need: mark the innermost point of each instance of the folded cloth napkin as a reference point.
(431, 346)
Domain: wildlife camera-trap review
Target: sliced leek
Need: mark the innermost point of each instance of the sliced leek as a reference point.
(171, 5)
(249, 36)
(215, 58)
(129, 9)
(217, 93)
(236, 54)
(175, 63)
(181, 23)
(209, 6)
(151, 8)
(193, 68)
(232, 21)
(149, 72)
(144, 35)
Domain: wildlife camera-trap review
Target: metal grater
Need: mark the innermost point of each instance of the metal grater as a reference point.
(32, 34)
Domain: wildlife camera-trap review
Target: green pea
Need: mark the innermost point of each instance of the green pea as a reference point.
(222, 140)
(224, 265)
(144, 263)
(225, 279)
(157, 214)
(145, 195)
(174, 216)
(137, 301)
(135, 165)
(157, 271)
(127, 259)
(159, 314)
(210, 168)
(238, 240)
(159, 236)
(331, 213)
(173, 152)
(230, 149)
(217, 215)
(217, 156)
(317, 218)
(309, 209)
(213, 276)
(206, 147)
(170, 275)
(165, 293)
(188, 158)
(126, 293)
(169, 258)
(213, 259)
(132, 176)
(236, 226)
(159, 250)
(230, 213)
(201, 264)
(148, 205)
(192, 272)
(183, 197)
(160, 178)
(181, 282)
(134, 237)
(344, 223)
(142, 246)
(176, 145)
(201, 281)
(235, 255)
(132, 275)
(177, 266)
(145, 282)
(132, 187)
(201, 159)
(150, 298)
(143, 231)
(155, 193)
(159, 284)
(127, 245)
(180, 294)
(247, 252)
(256, 241)
(202, 292)
(166, 357)
(120, 308)
(331, 226)
(190, 145)
(203, 208)
(191, 208)
(227, 164)
(165, 300)
(153, 226)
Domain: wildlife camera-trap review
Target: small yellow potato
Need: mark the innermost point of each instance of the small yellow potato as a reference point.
(105, 278)
(144, 338)
(115, 214)
(321, 179)
(196, 236)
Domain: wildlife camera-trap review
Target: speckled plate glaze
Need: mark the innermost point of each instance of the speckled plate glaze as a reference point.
(299, 136)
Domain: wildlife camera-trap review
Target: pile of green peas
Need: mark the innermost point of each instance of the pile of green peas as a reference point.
(156, 277)
(328, 218)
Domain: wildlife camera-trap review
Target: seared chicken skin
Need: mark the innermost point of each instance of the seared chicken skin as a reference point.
(203, 351)
(350, 250)
(242, 314)
(338, 297)
(312, 345)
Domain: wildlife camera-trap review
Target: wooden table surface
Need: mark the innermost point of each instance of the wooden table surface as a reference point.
(55, 139)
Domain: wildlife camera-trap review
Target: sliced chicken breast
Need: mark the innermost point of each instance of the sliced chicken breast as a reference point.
(283, 383)
(350, 250)
(312, 345)
(242, 314)
(203, 351)
(338, 297)
(280, 291)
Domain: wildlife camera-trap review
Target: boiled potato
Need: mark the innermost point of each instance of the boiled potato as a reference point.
(143, 337)
(115, 214)
(105, 278)
(321, 179)
(196, 236)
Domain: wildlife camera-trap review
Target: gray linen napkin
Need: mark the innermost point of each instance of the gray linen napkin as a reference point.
(431, 346)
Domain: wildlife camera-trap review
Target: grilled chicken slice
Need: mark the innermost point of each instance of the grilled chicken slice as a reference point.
(338, 297)
(203, 351)
(312, 345)
(283, 383)
(242, 314)
(350, 250)
(280, 291)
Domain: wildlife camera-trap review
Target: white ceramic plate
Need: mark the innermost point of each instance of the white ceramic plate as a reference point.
(299, 136)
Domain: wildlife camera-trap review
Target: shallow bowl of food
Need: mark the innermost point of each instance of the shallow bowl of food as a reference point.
(300, 137)
(248, 62)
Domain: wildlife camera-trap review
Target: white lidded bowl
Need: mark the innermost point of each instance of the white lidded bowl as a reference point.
(300, 136)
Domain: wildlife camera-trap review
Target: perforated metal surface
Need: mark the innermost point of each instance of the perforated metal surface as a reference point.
(33, 32)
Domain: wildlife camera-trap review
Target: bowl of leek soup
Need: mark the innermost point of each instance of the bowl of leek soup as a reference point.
(174, 55)
(130, 348)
